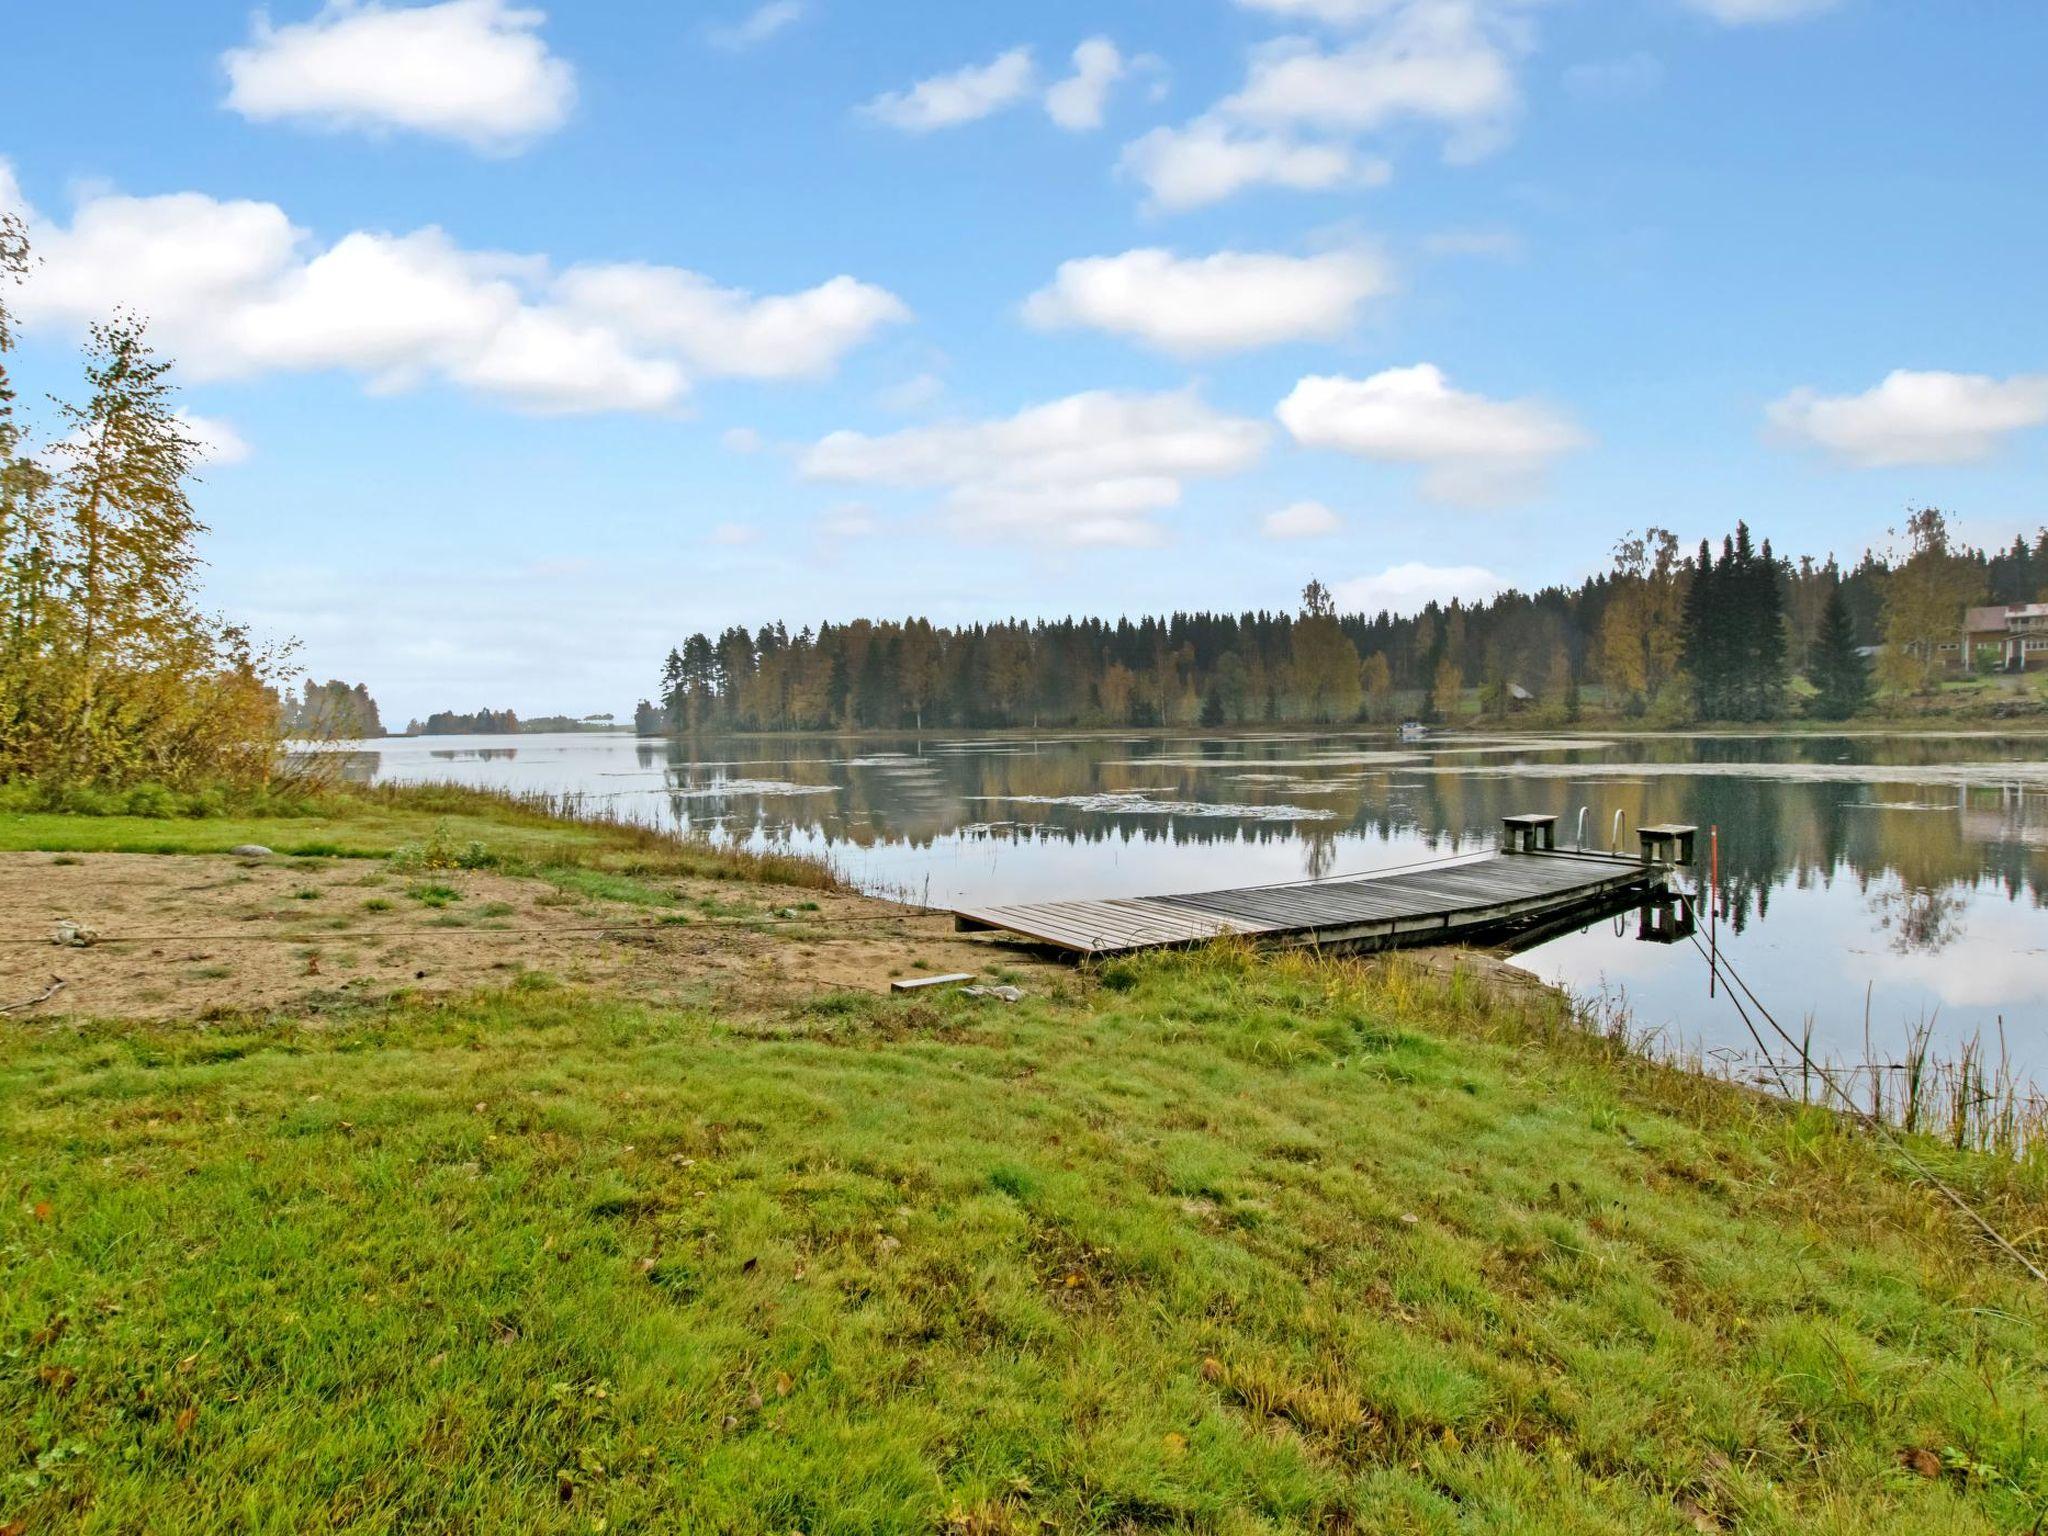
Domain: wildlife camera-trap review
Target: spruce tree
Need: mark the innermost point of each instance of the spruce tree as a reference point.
(1840, 676)
(1702, 640)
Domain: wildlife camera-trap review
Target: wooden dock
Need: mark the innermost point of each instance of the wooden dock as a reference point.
(1431, 904)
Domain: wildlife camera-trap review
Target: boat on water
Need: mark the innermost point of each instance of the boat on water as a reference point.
(1413, 730)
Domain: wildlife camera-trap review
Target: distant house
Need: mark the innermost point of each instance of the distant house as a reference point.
(2013, 638)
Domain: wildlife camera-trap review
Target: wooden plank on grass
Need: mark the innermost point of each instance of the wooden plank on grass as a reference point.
(919, 983)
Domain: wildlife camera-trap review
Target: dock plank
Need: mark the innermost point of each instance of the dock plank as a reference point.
(1401, 906)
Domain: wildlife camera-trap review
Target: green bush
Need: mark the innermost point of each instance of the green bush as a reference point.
(440, 851)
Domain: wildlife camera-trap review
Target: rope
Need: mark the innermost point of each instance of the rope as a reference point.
(1858, 1113)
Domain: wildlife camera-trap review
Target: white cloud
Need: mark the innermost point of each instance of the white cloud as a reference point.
(1223, 303)
(1296, 119)
(1091, 469)
(235, 290)
(759, 25)
(1474, 451)
(473, 70)
(1499, 244)
(914, 394)
(1331, 13)
(743, 440)
(728, 331)
(1208, 161)
(946, 101)
(1408, 588)
(1077, 102)
(1436, 60)
(851, 520)
(1737, 13)
(1302, 520)
(218, 442)
(1628, 78)
(1914, 418)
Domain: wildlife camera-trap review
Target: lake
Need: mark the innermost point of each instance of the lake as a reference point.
(1888, 881)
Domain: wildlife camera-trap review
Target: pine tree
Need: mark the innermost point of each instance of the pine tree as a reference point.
(1840, 676)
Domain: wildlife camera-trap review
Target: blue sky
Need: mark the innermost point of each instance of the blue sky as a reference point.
(540, 336)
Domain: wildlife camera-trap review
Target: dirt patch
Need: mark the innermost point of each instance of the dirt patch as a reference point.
(190, 935)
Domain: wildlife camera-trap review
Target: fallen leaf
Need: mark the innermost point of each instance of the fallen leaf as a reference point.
(784, 1384)
(58, 1376)
(1212, 1368)
(1176, 1444)
(50, 1332)
(187, 1417)
(42, 1210)
(647, 1266)
(1073, 1280)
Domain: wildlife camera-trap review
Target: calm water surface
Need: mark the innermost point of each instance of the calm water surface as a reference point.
(1902, 874)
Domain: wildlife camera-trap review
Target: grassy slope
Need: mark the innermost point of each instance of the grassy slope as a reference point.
(1215, 1244)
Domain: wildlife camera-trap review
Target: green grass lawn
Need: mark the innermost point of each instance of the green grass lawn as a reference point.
(351, 821)
(1214, 1244)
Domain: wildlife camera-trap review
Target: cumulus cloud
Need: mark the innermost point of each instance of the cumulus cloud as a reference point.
(759, 25)
(1208, 161)
(919, 392)
(1077, 102)
(726, 330)
(234, 289)
(1091, 469)
(1435, 60)
(1738, 13)
(850, 520)
(1332, 13)
(473, 70)
(1473, 451)
(1631, 77)
(218, 442)
(1228, 302)
(946, 101)
(1296, 120)
(1410, 587)
(1302, 520)
(1498, 244)
(1914, 418)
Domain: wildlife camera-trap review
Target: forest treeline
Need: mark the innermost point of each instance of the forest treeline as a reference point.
(1729, 633)
(330, 711)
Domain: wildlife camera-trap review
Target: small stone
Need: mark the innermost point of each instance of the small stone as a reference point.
(74, 935)
(250, 851)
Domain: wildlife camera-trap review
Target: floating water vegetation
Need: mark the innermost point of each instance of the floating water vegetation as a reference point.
(1958, 774)
(1140, 803)
(725, 787)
